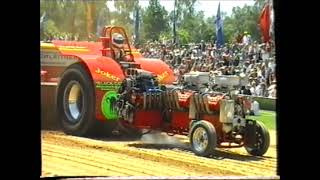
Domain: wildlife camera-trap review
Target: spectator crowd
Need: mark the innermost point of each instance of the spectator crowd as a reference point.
(246, 58)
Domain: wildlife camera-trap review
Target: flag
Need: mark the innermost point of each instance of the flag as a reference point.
(265, 23)
(219, 28)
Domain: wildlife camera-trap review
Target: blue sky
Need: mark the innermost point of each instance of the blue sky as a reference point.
(208, 6)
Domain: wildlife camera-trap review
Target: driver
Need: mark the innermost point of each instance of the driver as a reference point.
(118, 45)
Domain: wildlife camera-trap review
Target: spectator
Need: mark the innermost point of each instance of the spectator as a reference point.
(253, 88)
(255, 109)
(203, 46)
(246, 90)
(272, 91)
(252, 59)
(246, 39)
(261, 89)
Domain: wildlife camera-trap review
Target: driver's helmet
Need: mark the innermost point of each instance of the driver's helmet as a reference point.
(117, 40)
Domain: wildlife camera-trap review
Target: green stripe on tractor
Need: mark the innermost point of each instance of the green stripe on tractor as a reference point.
(108, 104)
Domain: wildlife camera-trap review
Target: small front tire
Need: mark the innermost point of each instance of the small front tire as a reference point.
(262, 141)
(203, 138)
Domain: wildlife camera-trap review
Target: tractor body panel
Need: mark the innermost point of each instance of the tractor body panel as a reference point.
(106, 73)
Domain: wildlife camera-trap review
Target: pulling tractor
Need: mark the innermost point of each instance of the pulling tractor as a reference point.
(102, 84)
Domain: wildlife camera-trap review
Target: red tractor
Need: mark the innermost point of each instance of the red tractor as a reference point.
(110, 83)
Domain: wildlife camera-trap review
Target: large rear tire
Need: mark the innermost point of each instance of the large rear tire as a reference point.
(262, 141)
(76, 101)
(203, 138)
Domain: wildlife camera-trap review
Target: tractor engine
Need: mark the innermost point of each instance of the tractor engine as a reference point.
(231, 108)
(133, 94)
(196, 81)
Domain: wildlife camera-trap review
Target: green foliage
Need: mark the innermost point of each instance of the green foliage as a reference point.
(184, 36)
(74, 17)
(155, 20)
(82, 18)
(123, 16)
(165, 36)
(242, 19)
(51, 30)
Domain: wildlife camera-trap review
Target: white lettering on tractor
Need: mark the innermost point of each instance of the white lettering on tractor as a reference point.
(55, 59)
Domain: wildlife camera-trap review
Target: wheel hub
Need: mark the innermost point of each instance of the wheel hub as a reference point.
(200, 139)
(73, 101)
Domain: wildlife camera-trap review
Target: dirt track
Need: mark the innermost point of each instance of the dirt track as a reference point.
(159, 155)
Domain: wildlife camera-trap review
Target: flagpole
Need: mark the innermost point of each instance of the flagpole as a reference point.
(265, 25)
(174, 22)
(270, 35)
(137, 24)
(271, 30)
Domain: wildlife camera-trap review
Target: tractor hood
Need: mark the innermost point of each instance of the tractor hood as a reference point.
(164, 73)
(92, 50)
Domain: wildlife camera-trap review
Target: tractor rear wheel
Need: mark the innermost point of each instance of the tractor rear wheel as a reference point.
(262, 141)
(203, 138)
(76, 101)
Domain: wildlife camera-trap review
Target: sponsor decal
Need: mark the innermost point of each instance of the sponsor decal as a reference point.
(107, 74)
(108, 105)
(162, 76)
(55, 59)
(73, 47)
(107, 86)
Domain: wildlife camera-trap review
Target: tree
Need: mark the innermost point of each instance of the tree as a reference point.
(260, 3)
(155, 20)
(50, 31)
(83, 18)
(90, 12)
(124, 14)
(184, 9)
(209, 31)
(103, 19)
(185, 20)
(73, 16)
(241, 20)
(184, 36)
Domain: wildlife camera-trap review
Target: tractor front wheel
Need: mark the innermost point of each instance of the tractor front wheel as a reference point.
(203, 138)
(261, 142)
